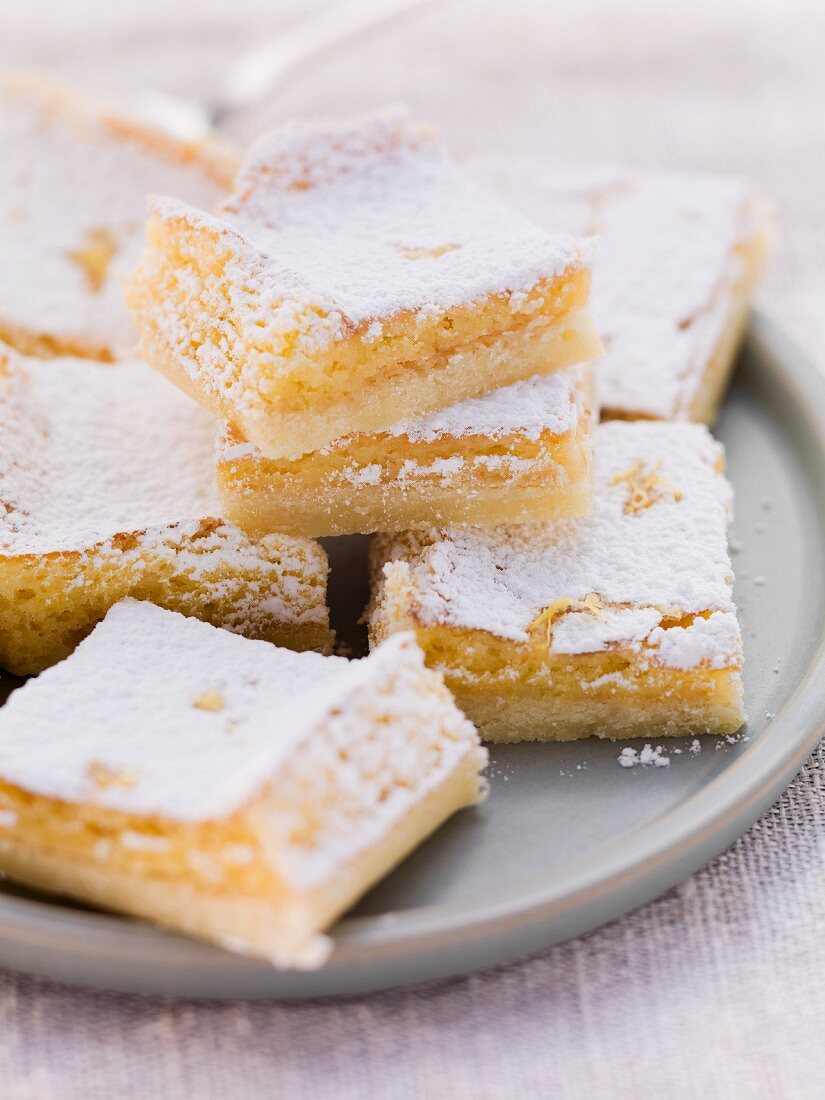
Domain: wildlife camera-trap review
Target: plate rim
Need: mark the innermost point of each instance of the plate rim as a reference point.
(440, 940)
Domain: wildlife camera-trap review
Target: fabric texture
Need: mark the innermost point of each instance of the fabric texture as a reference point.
(714, 990)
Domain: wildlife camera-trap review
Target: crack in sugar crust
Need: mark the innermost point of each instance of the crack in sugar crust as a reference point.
(69, 178)
(665, 267)
(341, 226)
(671, 556)
(161, 753)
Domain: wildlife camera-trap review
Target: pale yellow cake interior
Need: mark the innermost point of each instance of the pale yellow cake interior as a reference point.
(273, 589)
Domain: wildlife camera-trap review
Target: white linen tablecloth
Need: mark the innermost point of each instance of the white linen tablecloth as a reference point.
(716, 990)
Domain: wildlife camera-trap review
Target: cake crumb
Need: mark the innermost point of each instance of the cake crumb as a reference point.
(209, 700)
(103, 776)
(647, 757)
(732, 739)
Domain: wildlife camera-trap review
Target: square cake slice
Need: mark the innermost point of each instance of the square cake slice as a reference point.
(519, 454)
(676, 262)
(223, 787)
(616, 624)
(106, 491)
(74, 181)
(354, 277)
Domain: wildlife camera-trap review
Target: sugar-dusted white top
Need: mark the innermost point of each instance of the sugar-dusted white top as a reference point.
(665, 267)
(74, 181)
(348, 225)
(544, 404)
(89, 450)
(654, 547)
(157, 714)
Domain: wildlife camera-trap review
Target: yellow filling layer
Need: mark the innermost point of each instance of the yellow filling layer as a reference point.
(220, 856)
(517, 691)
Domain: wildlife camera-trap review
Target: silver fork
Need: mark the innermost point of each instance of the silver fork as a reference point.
(262, 70)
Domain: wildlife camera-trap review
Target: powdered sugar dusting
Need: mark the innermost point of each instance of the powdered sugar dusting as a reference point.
(715, 641)
(543, 404)
(88, 451)
(654, 548)
(342, 225)
(583, 632)
(60, 733)
(91, 452)
(73, 193)
(664, 269)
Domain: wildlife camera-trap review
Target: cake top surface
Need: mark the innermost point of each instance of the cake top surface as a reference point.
(90, 450)
(358, 222)
(665, 266)
(74, 182)
(656, 539)
(192, 722)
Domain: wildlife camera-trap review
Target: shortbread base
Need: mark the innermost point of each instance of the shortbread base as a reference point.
(650, 703)
(372, 509)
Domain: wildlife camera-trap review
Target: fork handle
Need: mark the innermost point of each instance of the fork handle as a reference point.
(264, 68)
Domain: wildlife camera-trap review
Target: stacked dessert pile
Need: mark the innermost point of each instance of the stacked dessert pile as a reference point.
(368, 341)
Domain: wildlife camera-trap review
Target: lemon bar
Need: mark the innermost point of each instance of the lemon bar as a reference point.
(222, 787)
(74, 180)
(518, 454)
(616, 624)
(676, 263)
(353, 278)
(106, 491)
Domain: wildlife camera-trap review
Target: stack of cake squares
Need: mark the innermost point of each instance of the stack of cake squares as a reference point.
(502, 372)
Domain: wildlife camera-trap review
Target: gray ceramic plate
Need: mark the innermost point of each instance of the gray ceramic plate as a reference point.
(568, 839)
